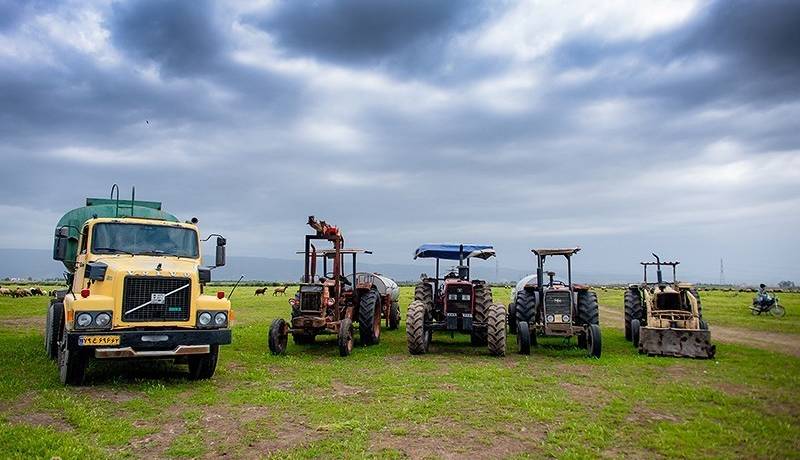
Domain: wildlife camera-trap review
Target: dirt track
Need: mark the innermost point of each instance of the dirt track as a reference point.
(772, 341)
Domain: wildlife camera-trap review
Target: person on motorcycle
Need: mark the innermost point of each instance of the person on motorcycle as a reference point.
(763, 297)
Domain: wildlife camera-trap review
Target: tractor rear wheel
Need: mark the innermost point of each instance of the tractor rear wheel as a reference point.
(512, 317)
(525, 307)
(423, 292)
(483, 301)
(593, 341)
(496, 330)
(633, 309)
(369, 318)
(394, 316)
(523, 338)
(202, 367)
(635, 326)
(416, 335)
(345, 340)
(588, 310)
(278, 336)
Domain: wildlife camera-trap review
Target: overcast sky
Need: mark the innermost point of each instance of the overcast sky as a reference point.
(621, 127)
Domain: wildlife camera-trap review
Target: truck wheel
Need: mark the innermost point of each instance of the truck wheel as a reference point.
(369, 318)
(525, 306)
(588, 310)
(633, 309)
(483, 301)
(512, 318)
(394, 316)
(496, 330)
(345, 337)
(55, 327)
(278, 336)
(416, 335)
(202, 367)
(593, 341)
(72, 364)
(303, 339)
(635, 326)
(523, 338)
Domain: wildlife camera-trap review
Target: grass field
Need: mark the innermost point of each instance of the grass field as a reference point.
(381, 402)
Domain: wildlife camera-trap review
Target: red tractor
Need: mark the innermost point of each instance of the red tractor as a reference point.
(455, 303)
(332, 304)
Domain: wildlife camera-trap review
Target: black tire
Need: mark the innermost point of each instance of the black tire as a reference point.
(635, 330)
(483, 301)
(582, 343)
(633, 309)
(369, 318)
(303, 339)
(72, 364)
(594, 342)
(202, 367)
(523, 338)
(588, 309)
(696, 295)
(345, 340)
(394, 316)
(512, 318)
(703, 325)
(278, 336)
(496, 330)
(416, 336)
(54, 328)
(423, 292)
(525, 307)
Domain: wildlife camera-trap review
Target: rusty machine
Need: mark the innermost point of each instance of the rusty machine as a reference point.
(555, 308)
(334, 303)
(666, 318)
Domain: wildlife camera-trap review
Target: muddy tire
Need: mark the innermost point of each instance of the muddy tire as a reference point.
(496, 330)
(594, 343)
(633, 309)
(278, 336)
(483, 301)
(525, 307)
(588, 309)
(523, 338)
(635, 329)
(72, 364)
(345, 339)
(416, 336)
(394, 316)
(512, 317)
(369, 318)
(202, 367)
(53, 328)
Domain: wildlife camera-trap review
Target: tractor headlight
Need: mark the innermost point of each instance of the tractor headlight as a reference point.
(466, 297)
(452, 297)
(204, 319)
(84, 320)
(550, 318)
(220, 319)
(102, 319)
(565, 318)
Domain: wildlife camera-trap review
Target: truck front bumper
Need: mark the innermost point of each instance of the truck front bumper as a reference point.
(151, 344)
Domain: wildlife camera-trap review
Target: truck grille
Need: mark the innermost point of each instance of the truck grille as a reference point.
(557, 303)
(139, 290)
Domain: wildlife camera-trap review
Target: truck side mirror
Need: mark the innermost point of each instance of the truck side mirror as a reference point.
(220, 261)
(60, 243)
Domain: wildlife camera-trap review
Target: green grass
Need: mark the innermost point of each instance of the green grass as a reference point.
(382, 402)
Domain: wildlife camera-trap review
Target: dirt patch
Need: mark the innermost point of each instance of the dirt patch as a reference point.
(288, 435)
(22, 412)
(32, 322)
(107, 394)
(584, 393)
(342, 390)
(646, 414)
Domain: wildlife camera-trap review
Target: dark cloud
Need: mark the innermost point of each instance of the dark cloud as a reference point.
(178, 35)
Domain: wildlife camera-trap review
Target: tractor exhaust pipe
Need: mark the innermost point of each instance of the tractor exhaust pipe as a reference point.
(658, 270)
(463, 270)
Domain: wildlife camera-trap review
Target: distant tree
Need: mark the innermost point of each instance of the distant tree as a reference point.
(786, 284)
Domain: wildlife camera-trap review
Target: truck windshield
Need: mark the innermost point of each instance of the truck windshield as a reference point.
(143, 239)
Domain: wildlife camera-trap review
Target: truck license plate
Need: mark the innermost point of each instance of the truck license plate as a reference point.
(97, 340)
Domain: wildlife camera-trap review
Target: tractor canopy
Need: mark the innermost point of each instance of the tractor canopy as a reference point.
(452, 251)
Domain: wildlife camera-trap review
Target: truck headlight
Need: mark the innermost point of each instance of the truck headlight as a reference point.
(84, 319)
(102, 319)
(220, 319)
(204, 318)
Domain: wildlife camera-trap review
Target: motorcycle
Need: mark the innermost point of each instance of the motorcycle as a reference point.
(767, 304)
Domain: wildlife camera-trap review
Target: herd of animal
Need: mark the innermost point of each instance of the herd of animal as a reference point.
(278, 290)
(23, 292)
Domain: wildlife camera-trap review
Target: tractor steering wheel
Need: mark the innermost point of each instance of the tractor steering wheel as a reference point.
(342, 279)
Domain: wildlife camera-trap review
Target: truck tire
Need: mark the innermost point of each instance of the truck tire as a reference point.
(512, 318)
(345, 339)
(588, 310)
(72, 364)
(496, 330)
(394, 316)
(53, 328)
(523, 338)
(696, 295)
(594, 343)
(202, 367)
(416, 335)
(278, 336)
(369, 318)
(483, 301)
(633, 309)
(525, 307)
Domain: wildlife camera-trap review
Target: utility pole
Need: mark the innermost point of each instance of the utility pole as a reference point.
(721, 273)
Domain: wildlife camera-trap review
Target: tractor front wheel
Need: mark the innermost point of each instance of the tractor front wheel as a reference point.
(416, 335)
(496, 330)
(394, 316)
(635, 326)
(523, 338)
(278, 336)
(512, 317)
(345, 337)
(593, 341)
(633, 310)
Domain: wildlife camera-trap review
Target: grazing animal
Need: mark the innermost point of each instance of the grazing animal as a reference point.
(5, 291)
(281, 289)
(19, 292)
(261, 291)
(36, 290)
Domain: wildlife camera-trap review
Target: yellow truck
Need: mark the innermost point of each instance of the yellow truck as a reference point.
(135, 289)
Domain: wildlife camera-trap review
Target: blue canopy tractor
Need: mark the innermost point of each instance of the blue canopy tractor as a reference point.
(455, 303)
